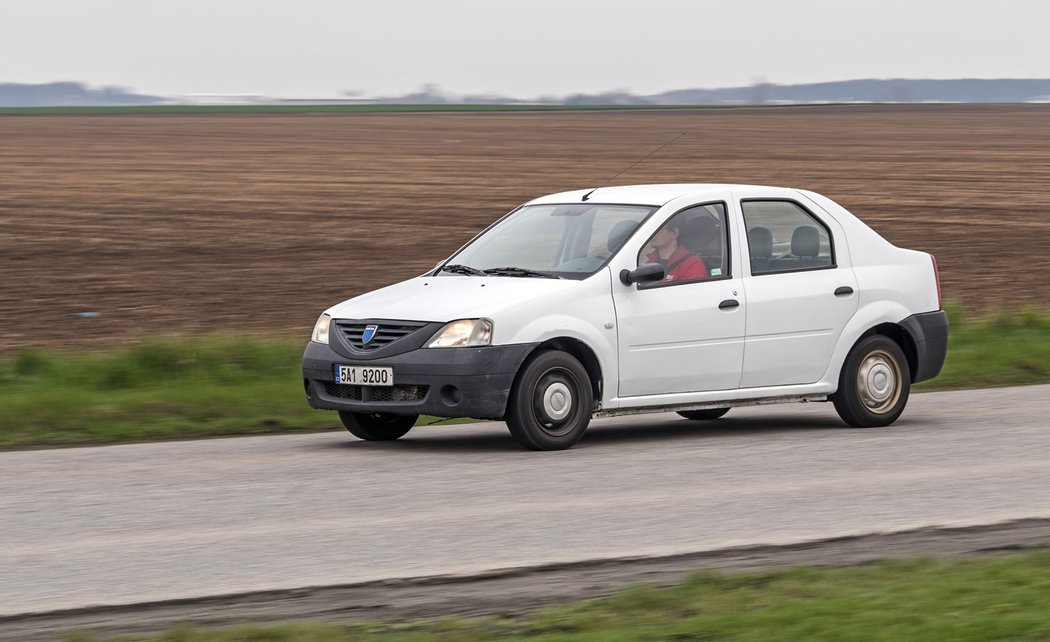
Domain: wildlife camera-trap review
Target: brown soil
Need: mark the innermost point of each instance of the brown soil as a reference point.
(254, 223)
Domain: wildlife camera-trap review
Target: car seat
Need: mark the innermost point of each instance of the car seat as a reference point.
(805, 245)
(760, 246)
(703, 237)
(619, 234)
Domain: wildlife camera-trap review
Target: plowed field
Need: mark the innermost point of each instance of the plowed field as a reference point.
(254, 223)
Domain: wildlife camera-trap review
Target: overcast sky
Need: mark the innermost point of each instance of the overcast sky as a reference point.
(521, 48)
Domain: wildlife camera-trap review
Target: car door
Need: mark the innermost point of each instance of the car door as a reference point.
(799, 296)
(685, 333)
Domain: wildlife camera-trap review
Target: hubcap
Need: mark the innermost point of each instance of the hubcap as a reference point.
(557, 401)
(879, 381)
(554, 402)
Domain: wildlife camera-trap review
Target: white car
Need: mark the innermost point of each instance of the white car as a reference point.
(649, 298)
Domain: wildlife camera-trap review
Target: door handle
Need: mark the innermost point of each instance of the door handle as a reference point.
(728, 304)
(844, 291)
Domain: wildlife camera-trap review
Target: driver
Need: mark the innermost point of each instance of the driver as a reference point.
(679, 264)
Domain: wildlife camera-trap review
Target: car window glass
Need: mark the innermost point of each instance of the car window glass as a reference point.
(784, 237)
(691, 245)
(570, 240)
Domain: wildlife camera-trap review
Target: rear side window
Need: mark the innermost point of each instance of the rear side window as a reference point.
(782, 236)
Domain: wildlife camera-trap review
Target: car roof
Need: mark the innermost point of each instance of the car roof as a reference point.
(641, 194)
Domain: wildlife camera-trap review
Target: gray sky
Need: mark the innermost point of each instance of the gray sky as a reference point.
(522, 48)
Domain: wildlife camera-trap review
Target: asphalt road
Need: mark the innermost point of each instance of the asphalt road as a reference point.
(122, 524)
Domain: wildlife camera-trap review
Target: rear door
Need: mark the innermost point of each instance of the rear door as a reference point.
(799, 297)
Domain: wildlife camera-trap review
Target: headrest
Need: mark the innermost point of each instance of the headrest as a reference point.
(619, 233)
(701, 235)
(805, 241)
(761, 241)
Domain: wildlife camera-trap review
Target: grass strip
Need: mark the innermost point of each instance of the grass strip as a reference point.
(1008, 349)
(985, 598)
(163, 388)
(177, 388)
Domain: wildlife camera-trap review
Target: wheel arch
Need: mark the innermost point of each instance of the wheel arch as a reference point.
(872, 318)
(582, 352)
(901, 337)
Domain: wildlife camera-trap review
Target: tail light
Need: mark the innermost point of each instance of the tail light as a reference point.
(937, 280)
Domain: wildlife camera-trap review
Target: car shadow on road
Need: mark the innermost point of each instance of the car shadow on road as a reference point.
(665, 429)
(436, 440)
(489, 437)
(733, 428)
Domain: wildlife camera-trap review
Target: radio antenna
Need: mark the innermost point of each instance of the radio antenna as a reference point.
(624, 170)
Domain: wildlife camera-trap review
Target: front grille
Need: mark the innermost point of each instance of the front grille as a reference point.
(342, 391)
(375, 393)
(386, 332)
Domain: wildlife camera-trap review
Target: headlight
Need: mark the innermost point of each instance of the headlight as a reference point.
(461, 333)
(320, 334)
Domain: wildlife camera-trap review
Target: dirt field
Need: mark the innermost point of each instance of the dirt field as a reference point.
(254, 223)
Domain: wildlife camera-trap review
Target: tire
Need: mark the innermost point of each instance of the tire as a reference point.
(704, 415)
(874, 383)
(551, 402)
(377, 426)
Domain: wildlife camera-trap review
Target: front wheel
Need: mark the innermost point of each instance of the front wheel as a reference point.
(874, 383)
(551, 402)
(377, 426)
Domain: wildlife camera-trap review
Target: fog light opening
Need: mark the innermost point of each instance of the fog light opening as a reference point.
(451, 395)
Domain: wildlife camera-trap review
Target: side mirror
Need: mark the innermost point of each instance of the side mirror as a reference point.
(644, 273)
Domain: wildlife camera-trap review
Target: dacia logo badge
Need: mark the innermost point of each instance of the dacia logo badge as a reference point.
(369, 334)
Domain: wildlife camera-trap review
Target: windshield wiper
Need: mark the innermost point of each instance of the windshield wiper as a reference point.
(518, 271)
(462, 269)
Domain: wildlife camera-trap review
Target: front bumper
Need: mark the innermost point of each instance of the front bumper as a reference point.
(929, 333)
(444, 382)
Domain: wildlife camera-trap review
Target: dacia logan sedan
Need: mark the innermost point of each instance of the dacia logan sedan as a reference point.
(651, 298)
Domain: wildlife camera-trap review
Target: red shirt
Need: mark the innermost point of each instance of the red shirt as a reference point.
(680, 266)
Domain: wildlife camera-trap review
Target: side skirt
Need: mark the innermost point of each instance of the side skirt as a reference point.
(737, 403)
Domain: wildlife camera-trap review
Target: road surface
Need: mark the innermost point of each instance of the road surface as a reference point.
(147, 522)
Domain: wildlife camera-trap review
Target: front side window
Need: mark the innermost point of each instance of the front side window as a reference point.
(570, 241)
(691, 245)
(784, 237)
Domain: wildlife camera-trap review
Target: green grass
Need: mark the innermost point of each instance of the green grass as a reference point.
(159, 389)
(1011, 348)
(978, 599)
(220, 385)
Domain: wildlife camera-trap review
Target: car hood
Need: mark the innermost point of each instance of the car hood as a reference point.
(444, 298)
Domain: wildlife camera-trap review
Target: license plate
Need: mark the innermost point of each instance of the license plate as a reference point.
(364, 375)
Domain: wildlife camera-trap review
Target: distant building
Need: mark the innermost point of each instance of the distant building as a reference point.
(223, 99)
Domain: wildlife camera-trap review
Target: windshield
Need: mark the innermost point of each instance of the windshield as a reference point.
(569, 241)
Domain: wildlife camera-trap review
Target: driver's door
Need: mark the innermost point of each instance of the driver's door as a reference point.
(688, 335)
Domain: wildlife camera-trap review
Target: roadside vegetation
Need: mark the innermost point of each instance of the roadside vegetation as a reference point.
(177, 388)
(1008, 349)
(157, 389)
(975, 599)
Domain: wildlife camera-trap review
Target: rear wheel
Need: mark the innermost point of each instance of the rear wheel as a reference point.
(551, 402)
(377, 426)
(704, 415)
(874, 383)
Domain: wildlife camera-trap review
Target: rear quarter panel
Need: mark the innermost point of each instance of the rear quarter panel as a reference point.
(892, 283)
